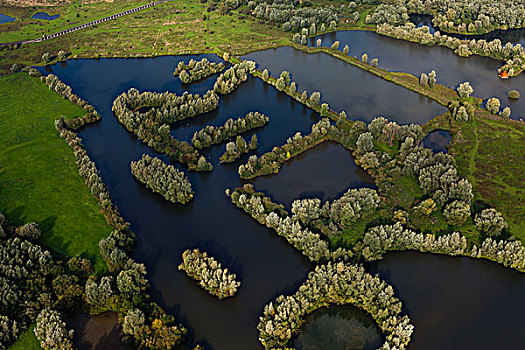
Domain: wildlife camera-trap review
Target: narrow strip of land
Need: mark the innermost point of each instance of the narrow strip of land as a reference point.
(89, 24)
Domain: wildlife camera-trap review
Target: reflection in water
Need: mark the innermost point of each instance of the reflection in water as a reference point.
(437, 141)
(360, 94)
(97, 332)
(324, 172)
(339, 328)
(404, 56)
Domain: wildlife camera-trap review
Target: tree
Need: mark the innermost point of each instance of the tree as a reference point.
(490, 221)
(62, 55)
(265, 75)
(374, 62)
(296, 38)
(318, 43)
(432, 78)
(514, 94)
(493, 105)
(134, 322)
(464, 90)
(45, 57)
(286, 27)
(364, 58)
(335, 45)
(462, 114)
(505, 113)
(333, 25)
(306, 210)
(365, 143)
(423, 80)
(325, 110)
(51, 331)
(346, 49)
(456, 213)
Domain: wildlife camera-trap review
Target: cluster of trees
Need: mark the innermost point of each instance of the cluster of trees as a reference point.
(381, 239)
(209, 272)
(513, 55)
(228, 81)
(271, 215)
(197, 70)
(51, 331)
(330, 218)
(153, 127)
(336, 284)
(293, 17)
(234, 150)
(32, 281)
(65, 92)
(493, 106)
(211, 135)
(473, 17)
(490, 222)
(429, 79)
(163, 179)
(461, 111)
(270, 163)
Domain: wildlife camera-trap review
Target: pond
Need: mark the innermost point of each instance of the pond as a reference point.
(304, 176)
(360, 94)
(437, 141)
(265, 263)
(45, 16)
(514, 36)
(335, 328)
(404, 56)
(97, 332)
(457, 302)
(6, 19)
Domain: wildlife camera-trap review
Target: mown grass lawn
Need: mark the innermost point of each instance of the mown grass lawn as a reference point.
(39, 178)
(26, 341)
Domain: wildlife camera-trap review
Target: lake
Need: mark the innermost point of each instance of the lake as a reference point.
(266, 264)
(45, 16)
(6, 19)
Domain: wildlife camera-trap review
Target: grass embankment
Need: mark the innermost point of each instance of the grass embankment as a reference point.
(26, 341)
(39, 178)
(489, 152)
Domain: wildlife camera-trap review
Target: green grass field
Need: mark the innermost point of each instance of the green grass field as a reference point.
(39, 179)
(26, 341)
(489, 152)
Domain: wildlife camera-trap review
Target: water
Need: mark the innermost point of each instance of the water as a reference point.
(97, 332)
(45, 16)
(265, 263)
(515, 36)
(334, 328)
(437, 141)
(403, 56)
(360, 94)
(489, 297)
(304, 176)
(457, 302)
(6, 19)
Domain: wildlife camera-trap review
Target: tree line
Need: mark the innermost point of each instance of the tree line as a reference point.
(211, 135)
(272, 215)
(164, 179)
(228, 81)
(197, 70)
(153, 127)
(209, 273)
(234, 150)
(335, 284)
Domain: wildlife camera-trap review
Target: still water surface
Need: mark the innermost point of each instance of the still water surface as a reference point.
(266, 264)
(403, 56)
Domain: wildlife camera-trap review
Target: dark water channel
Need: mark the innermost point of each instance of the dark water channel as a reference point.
(451, 69)
(344, 87)
(266, 264)
(457, 302)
